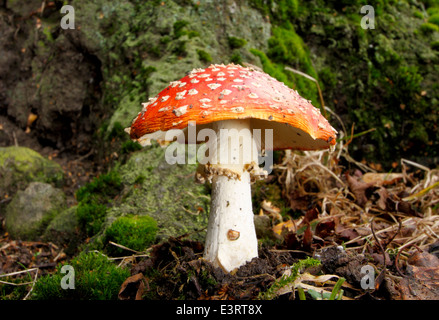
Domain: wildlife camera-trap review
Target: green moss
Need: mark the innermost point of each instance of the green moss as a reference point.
(94, 199)
(236, 58)
(277, 10)
(178, 28)
(236, 43)
(100, 188)
(434, 19)
(296, 268)
(15, 292)
(286, 48)
(91, 216)
(429, 28)
(204, 56)
(95, 278)
(21, 165)
(418, 14)
(134, 232)
(433, 10)
(130, 146)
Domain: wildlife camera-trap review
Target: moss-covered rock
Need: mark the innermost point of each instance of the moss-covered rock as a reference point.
(31, 210)
(20, 165)
(167, 193)
(63, 230)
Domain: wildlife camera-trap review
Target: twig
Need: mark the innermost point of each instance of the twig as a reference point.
(15, 139)
(123, 247)
(17, 272)
(322, 102)
(33, 284)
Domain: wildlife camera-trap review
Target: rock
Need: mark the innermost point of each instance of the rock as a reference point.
(63, 230)
(167, 193)
(170, 54)
(20, 165)
(263, 227)
(31, 210)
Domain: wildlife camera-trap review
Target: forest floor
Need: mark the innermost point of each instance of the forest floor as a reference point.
(375, 234)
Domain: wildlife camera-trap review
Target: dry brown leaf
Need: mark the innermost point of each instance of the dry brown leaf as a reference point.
(359, 188)
(288, 225)
(380, 178)
(133, 287)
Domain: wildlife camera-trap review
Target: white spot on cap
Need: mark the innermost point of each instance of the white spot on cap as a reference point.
(204, 100)
(321, 126)
(256, 84)
(180, 95)
(223, 101)
(163, 109)
(205, 106)
(239, 87)
(238, 109)
(204, 75)
(253, 95)
(226, 92)
(195, 80)
(221, 74)
(164, 98)
(182, 84)
(192, 92)
(316, 111)
(302, 109)
(176, 123)
(173, 84)
(238, 80)
(152, 100)
(180, 111)
(208, 79)
(221, 79)
(213, 86)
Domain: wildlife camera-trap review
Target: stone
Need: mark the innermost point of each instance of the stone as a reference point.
(63, 230)
(168, 193)
(31, 210)
(21, 165)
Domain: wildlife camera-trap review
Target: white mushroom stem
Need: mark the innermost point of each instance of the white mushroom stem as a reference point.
(231, 237)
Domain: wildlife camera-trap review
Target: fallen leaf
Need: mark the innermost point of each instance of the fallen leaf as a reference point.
(288, 225)
(273, 211)
(133, 287)
(422, 277)
(381, 178)
(359, 188)
(307, 239)
(423, 259)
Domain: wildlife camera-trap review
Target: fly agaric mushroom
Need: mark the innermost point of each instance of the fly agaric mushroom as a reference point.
(233, 97)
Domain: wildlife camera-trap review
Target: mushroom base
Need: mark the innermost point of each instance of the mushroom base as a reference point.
(231, 237)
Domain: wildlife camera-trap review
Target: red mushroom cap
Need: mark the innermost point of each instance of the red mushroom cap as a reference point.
(225, 92)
